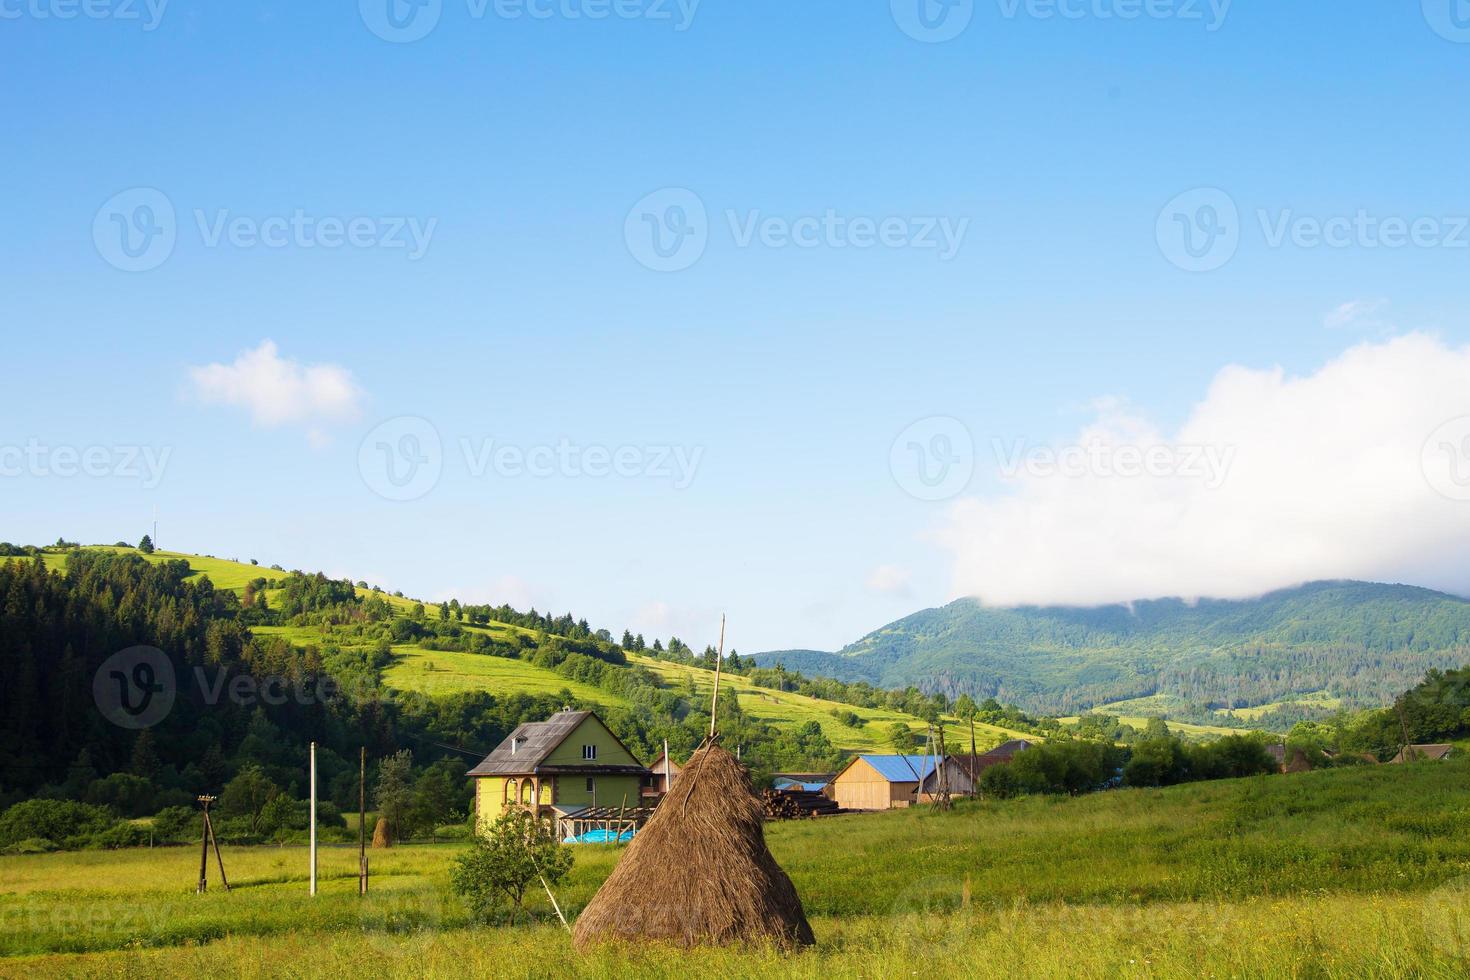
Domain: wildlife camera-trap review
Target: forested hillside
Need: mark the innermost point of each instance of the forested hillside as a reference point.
(1358, 642)
(256, 672)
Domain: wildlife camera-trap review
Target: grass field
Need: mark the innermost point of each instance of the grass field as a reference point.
(1137, 712)
(438, 672)
(785, 708)
(1358, 872)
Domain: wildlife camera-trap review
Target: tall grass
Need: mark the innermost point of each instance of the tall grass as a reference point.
(1337, 873)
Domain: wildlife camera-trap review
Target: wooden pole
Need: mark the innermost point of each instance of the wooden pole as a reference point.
(362, 877)
(719, 660)
(973, 788)
(668, 769)
(313, 818)
(218, 858)
(204, 849)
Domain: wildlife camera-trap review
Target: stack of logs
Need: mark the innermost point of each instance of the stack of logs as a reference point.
(796, 804)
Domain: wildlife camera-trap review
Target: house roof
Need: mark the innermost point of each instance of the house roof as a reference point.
(1435, 752)
(976, 764)
(901, 768)
(526, 749)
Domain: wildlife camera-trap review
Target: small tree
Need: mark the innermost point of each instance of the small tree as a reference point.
(506, 860)
(394, 793)
(247, 795)
(146, 545)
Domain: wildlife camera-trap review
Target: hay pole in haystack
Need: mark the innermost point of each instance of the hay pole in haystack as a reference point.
(699, 872)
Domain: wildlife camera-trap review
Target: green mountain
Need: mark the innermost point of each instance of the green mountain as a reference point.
(1361, 643)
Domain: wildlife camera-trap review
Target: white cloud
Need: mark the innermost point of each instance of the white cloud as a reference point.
(278, 391)
(1325, 479)
(890, 580)
(1357, 313)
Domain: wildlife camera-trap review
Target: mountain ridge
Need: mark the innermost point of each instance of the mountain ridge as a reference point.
(1357, 640)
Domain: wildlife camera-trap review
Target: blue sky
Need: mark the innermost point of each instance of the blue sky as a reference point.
(521, 145)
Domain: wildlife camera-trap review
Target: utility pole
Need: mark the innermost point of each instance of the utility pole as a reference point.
(208, 840)
(362, 867)
(204, 847)
(313, 818)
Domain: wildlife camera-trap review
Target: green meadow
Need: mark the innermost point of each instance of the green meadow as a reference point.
(442, 672)
(788, 709)
(1336, 873)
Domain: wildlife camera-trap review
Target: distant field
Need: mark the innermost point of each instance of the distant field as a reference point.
(1339, 873)
(1125, 711)
(786, 709)
(1317, 699)
(437, 672)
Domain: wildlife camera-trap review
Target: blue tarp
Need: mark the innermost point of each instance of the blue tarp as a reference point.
(901, 768)
(600, 837)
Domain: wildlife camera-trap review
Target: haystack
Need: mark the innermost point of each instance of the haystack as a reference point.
(699, 872)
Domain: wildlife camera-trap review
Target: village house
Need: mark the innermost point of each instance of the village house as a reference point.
(1420, 753)
(887, 782)
(561, 767)
(974, 765)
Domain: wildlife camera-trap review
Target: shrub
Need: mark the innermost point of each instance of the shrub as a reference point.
(506, 860)
(65, 822)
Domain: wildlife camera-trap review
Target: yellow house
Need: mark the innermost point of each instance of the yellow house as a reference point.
(571, 761)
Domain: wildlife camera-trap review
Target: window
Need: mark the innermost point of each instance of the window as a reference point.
(589, 752)
(591, 784)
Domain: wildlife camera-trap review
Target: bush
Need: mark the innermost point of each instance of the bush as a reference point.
(177, 823)
(66, 823)
(506, 860)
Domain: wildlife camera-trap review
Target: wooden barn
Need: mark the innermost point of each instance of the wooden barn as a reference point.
(887, 782)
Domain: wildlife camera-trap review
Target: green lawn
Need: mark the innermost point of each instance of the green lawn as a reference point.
(785, 708)
(1339, 873)
(438, 672)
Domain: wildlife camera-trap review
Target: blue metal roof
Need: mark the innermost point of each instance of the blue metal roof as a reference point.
(901, 768)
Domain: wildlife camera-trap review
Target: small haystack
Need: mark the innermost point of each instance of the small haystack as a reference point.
(699, 872)
(381, 836)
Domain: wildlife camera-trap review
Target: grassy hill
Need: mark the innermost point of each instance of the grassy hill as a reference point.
(1351, 644)
(438, 673)
(1333, 873)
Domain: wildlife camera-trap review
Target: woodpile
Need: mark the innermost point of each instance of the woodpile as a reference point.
(796, 804)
